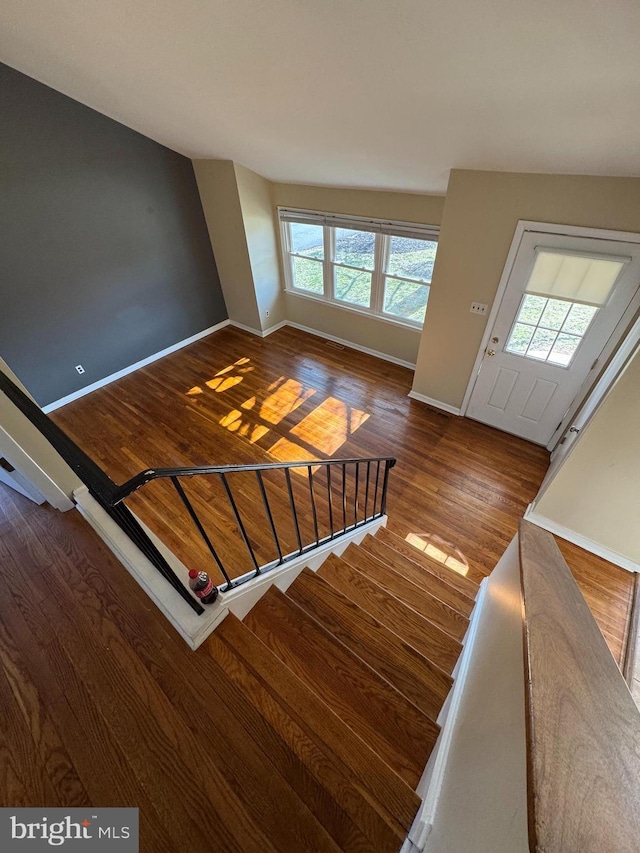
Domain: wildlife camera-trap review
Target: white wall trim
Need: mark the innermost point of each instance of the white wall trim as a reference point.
(438, 404)
(524, 226)
(258, 332)
(581, 541)
(132, 367)
(435, 771)
(351, 345)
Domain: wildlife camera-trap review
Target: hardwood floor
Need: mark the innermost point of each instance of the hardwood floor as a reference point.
(458, 490)
(103, 703)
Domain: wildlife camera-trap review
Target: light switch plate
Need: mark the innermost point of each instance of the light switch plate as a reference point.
(478, 308)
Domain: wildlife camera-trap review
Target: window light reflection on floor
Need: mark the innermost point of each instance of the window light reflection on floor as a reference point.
(323, 430)
(436, 548)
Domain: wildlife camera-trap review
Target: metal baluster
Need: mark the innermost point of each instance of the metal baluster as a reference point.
(198, 524)
(294, 512)
(366, 491)
(383, 503)
(330, 501)
(313, 504)
(375, 494)
(267, 508)
(355, 497)
(243, 532)
(344, 496)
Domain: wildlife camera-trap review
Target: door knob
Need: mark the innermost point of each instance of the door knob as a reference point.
(491, 353)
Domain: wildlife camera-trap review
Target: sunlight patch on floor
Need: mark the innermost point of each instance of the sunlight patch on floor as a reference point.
(436, 548)
(329, 425)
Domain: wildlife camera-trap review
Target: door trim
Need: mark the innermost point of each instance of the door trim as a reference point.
(524, 226)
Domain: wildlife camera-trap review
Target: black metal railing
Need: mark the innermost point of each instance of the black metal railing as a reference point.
(279, 511)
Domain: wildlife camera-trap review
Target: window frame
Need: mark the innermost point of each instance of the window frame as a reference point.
(384, 230)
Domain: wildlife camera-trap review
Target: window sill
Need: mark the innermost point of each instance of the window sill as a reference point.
(353, 309)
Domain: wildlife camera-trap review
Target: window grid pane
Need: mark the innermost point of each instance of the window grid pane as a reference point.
(353, 286)
(549, 329)
(411, 258)
(307, 240)
(308, 275)
(355, 248)
(405, 299)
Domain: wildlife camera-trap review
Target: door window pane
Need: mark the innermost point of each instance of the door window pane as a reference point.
(353, 286)
(579, 319)
(554, 314)
(564, 349)
(307, 240)
(355, 248)
(541, 343)
(406, 299)
(549, 329)
(307, 275)
(412, 258)
(520, 338)
(531, 309)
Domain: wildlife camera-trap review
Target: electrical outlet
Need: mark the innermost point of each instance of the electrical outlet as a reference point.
(80, 368)
(267, 313)
(478, 308)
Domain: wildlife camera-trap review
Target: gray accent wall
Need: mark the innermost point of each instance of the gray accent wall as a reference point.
(105, 258)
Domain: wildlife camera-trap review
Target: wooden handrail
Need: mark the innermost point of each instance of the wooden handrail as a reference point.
(583, 727)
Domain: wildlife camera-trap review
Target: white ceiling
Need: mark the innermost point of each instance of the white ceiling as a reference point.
(363, 93)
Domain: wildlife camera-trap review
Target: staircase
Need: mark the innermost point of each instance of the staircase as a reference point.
(341, 680)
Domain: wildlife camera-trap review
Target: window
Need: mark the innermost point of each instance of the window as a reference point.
(549, 329)
(371, 266)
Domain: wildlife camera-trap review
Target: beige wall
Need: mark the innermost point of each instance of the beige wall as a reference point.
(220, 198)
(403, 207)
(596, 493)
(480, 215)
(262, 241)
(396, 341)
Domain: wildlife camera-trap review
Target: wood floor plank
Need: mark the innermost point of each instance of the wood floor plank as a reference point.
(309, 710)
(436, 611)
(237, 769)
(456, 481)
(307, 763)
(420, 575)
(374, 709)
(410, 672)
(460, 582)
(424, 636)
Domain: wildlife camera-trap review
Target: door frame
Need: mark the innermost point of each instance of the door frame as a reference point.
(524, 226)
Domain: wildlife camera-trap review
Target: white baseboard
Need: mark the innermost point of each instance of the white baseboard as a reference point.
(437, 404)
(57, 404)
(351, 345)
(258, 332)
(132, 367)
(582, 541)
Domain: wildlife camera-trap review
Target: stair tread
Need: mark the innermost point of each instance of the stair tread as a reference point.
(436, 611)
(330, 791)
(422, 576)
(375, 710)
(464, 584)
(407, 670)
(374, 774)
(410, 625)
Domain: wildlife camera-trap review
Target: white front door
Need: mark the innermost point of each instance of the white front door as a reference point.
(564, 299)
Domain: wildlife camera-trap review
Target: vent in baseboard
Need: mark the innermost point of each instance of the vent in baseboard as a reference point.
(334, 344)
